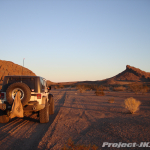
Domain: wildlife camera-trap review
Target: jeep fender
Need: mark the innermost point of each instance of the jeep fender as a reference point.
(44, 100)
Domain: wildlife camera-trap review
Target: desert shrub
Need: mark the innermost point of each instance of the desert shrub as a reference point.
(131, 104)
(111, 100)
(119, 88)
(81, 88)
(111, 81)
(105, 88)
(138, 88)
(71, 146)
(92, 87)
(85, 87)
(135, 87)
(55, 87)
(111, 88)
(58, 86)
(101, 88)
(144, 89)
(61, 86)
(99, 93)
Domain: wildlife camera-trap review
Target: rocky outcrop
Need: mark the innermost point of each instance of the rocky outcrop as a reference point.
(138, 72)
(133, 74)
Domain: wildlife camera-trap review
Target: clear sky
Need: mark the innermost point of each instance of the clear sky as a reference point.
(76, 40)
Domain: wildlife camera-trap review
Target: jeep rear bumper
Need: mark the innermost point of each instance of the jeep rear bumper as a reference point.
(32, 107)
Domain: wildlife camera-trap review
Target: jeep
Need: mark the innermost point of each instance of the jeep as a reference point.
(34, 96)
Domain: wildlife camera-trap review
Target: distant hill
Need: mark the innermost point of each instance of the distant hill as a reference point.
(132, 74)
(129, 74)
(51, 83)
(10, 68)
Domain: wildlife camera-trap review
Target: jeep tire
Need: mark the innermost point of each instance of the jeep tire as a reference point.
(44, 113)
(18, 86)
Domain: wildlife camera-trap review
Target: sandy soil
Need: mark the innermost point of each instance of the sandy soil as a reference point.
(84, 117)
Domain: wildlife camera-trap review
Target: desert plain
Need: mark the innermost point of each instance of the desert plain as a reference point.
(84, 118)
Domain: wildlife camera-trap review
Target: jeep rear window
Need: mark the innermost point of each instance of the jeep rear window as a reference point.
(28, 81)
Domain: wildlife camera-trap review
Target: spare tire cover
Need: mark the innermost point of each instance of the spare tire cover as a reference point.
(12, 91)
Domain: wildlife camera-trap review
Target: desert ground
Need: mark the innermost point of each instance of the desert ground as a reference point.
(83, 117)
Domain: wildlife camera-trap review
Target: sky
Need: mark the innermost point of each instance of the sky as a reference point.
(76, 40)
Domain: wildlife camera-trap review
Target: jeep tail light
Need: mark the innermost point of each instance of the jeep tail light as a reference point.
(38, 96)
(2, 95)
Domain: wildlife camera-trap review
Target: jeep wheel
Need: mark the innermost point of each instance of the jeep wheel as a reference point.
(3, 117)
(51, 107)
(25, 93)
(44, 114)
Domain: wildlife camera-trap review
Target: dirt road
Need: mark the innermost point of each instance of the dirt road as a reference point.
(85, 117)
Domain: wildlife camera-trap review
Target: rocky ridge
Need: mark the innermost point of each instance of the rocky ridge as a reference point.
(133, 74)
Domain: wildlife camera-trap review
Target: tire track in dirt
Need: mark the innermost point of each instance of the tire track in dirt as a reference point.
(16, 132)
(73, 120)
(9, 131)
(46, 140)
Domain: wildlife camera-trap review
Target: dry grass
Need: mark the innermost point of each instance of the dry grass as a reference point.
(111, 81)
(144, 89)
(61, 86)
(55, 87)
(138, 88)
(58, 86)
(82, 90)
(101, 88)
(132, 104)
(72, 146)
(92, 87)
(119, 88)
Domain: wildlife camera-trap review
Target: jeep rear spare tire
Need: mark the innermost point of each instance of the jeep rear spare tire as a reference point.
(25, 93)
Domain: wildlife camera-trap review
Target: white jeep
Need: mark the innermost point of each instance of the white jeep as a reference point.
(34, 95)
